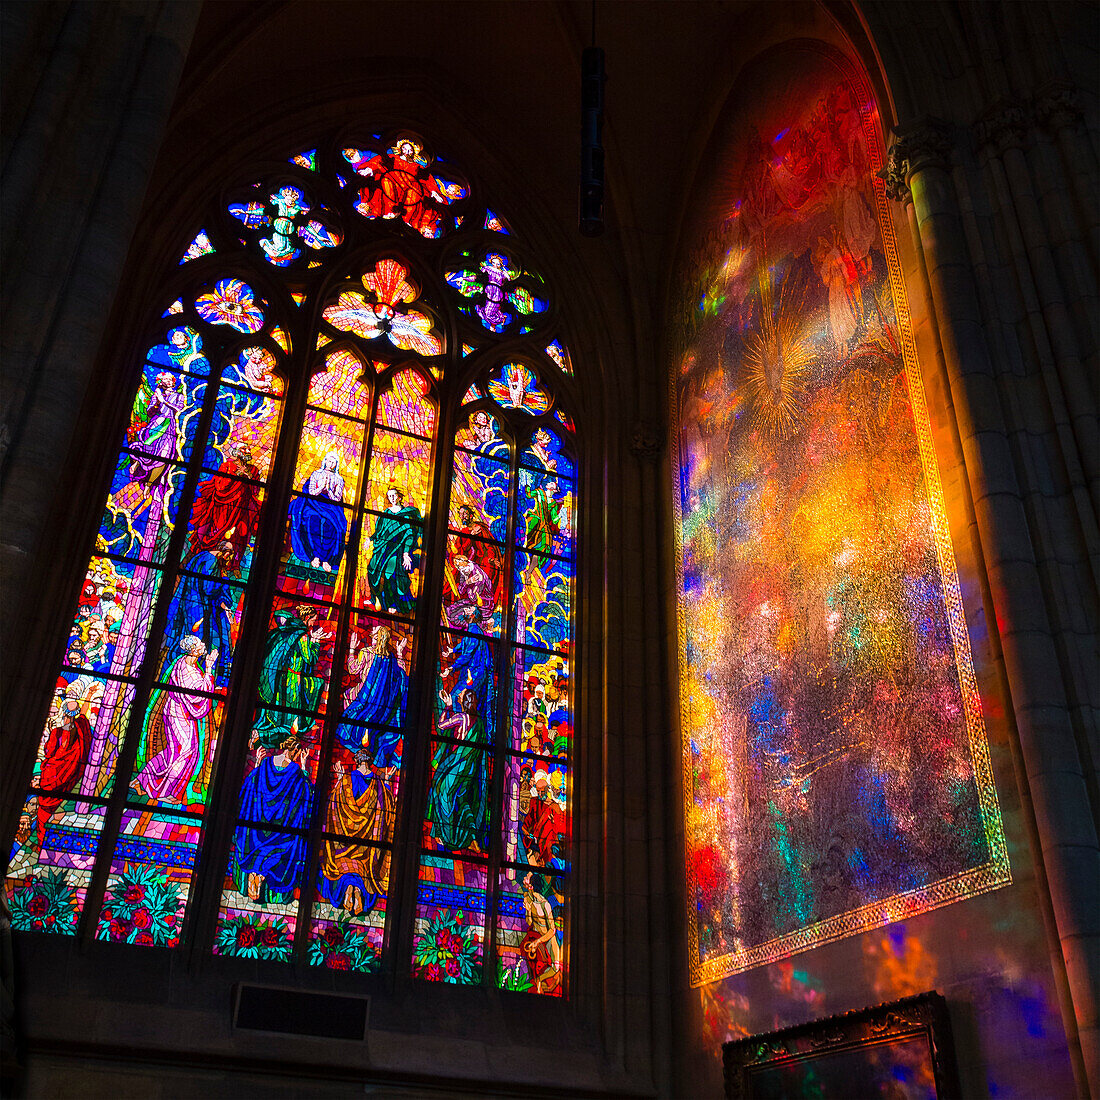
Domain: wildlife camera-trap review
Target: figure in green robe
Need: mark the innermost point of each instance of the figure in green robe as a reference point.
(393, 544)
(289, 677)
(458, 802)
(544, 517)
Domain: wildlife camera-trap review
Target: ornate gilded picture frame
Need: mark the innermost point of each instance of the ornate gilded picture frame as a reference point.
(902, 1048)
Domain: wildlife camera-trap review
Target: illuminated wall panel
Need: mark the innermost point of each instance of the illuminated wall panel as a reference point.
(836, 769)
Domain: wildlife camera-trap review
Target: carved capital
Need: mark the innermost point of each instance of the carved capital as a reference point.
(917, 146)
(894, 172)
(1055, 107)
(646, 439)
(1003, 128)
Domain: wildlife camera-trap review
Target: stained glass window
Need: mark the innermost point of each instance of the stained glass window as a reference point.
(324, 644)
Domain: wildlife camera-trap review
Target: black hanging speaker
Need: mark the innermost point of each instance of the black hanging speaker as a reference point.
(592, 82)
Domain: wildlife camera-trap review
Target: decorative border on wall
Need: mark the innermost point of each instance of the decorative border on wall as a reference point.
(996, 871)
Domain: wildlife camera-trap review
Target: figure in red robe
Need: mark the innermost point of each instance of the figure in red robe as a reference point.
(227, 510)
(402, 187)
(543, 823)
(63, 759)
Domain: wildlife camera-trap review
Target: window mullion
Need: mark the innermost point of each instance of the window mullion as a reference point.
(505, 704)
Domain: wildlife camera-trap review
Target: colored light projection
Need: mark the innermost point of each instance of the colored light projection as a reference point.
(835, 760)
(108, 742)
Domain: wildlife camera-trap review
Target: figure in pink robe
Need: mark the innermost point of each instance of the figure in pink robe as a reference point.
(177, 728)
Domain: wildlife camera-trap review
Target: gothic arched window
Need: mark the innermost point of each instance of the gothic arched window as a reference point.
(315, 703)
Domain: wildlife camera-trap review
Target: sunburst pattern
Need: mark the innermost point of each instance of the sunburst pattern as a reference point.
(776, 363)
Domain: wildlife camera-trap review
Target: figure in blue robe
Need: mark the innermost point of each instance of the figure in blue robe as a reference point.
(472, 664)
(318, 523)
(205, 607)
(380, 702)
(266, 863)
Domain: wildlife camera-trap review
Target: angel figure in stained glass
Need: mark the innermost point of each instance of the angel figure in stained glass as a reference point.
(256, 370)
(495, 273)
(289, 202)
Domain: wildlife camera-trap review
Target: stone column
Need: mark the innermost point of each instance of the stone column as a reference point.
(918, 173)
(100, 79)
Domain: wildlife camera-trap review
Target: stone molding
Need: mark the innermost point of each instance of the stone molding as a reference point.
(1013, 125)
(646, 440)
(1003, 128)
(1056, 108)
